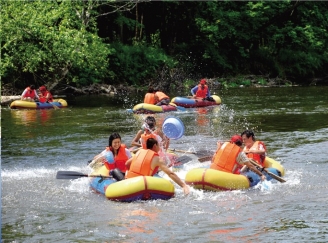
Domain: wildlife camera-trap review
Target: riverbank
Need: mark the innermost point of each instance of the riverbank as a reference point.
(10, 93)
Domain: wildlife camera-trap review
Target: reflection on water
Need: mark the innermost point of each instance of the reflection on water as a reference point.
(30, 117)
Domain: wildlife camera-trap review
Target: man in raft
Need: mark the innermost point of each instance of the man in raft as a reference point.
(230, 158)
(161, 98)
(146, 162)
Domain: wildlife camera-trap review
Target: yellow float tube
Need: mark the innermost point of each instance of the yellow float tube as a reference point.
(215, 180)
(132, 189)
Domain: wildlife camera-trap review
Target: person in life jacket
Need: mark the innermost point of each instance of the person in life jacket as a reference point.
(149, 130)
(45, 95)
(29, 94)
(150, 96)
(115, 155)
(230, 158)
(201, 90)
(147, 162)
(254, 149)
(161, 98)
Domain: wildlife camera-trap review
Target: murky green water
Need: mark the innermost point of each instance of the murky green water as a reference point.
(36, 144)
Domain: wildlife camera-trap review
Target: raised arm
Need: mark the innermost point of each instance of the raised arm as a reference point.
(135, 141)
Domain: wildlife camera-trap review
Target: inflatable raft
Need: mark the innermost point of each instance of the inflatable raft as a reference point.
(191, 103)
(22, 104)
(144, 108)
(215, 180)
(133, 189)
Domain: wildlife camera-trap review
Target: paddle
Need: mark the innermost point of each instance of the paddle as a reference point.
(274, 176)
(206, 158)
(53, 105)
(75, 175)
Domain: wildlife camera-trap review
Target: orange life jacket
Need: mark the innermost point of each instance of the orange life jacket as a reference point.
(258, 157)
(225, 158)
(160, 95)
(145, 136)
(30, 93)
(119, 160)
(149, 98)
(202, 92)
(141, 164)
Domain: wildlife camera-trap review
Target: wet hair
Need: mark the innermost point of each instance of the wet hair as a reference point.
(248, 133)
(151, 142)
(112, 137)
(150, 121)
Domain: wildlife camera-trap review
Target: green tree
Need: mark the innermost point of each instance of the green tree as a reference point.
(52, 41)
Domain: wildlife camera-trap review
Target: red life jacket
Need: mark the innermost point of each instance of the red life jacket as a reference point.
(141, 164)
(44, 95)
(119, 160)
(202, 92)
(30, 93)
(149, 98)
(225, 158)
(258, 157)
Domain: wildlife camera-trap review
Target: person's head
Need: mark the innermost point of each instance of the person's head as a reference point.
(236, 139)
(248, 136)
(32, 87)
(43, 88)
(150, 144)
(203, 82)
(150, 90)
(150, 123)
(114, 141)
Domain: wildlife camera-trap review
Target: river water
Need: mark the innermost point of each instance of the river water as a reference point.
(37, 207)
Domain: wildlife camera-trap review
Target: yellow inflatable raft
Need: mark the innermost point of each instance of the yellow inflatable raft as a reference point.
(215, 180)
(128, 190)
(23, 104)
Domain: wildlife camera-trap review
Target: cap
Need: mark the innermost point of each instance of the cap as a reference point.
(236, 139)
(203, 81)
(42, 88)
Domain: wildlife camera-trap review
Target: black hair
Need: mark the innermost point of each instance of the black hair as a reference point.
(238, 143)
(150, 90)
(151, 122)
(151, 142)
(112, 137)
(32, 87)
(248, 133)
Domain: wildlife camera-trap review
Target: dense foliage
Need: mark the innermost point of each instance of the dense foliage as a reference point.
(136, 43)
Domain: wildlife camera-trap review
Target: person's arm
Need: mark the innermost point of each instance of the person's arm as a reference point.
(135, 141)
(254, 169)
(36, 95)
(128, 163)
(24, 92)
(208, 92)
(194, 90)
(255, 151)
(160, 163)
(242, 159)
(165, 139)
(128, 153)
